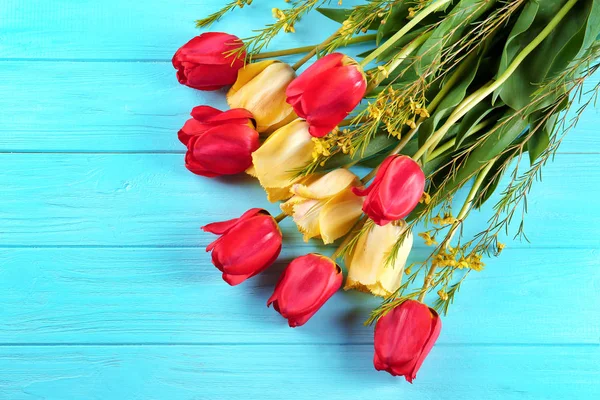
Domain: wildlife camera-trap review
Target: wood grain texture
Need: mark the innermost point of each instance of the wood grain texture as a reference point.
(128, 107)
(152, 200)
(166, 295)
(106, 291)
(142, 31)
(294, 372)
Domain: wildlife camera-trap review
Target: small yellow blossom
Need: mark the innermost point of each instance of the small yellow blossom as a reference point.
(475, 263)
(425, 198)
(280, 15)
(500, 247)
(443, 295)
(429, 240)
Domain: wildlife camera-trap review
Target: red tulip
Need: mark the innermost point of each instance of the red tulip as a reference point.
(396, 190)
(304, 286)
(327, 92)
(247, 246)
(206, 117)
(219, 143)
(403, 338)
(202, 63)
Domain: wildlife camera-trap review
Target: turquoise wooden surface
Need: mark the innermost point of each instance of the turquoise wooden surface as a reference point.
(105, 289)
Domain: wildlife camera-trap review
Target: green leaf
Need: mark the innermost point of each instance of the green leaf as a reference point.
(515, 39)
(492, 179)
(509, 128)
(471, 119)
(395, 21)
(451, 29)
(540, 139)
(551, 57)
(447, 105)
(342, 14)
(391, 52)
(378, 144)
(336, 14)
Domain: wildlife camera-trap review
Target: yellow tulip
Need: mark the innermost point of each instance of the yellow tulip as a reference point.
(324, 206)
(260, 88)
(276, 163)
(366, 263)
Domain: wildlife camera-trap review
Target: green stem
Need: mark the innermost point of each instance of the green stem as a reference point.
(459, 219)
(450, 143)
(311, 53)
(405, 29)
(472, 100)
(280, 217)
(305, 49)
(454, 78)
(398, 59)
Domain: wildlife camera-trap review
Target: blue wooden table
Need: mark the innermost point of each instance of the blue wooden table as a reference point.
(105, 289)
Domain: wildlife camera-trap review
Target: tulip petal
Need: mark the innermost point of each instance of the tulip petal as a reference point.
(434, 334)
(219, 228)
(249, 72)
(404, 336)
(298, 86)
(260, 88)
(367, 267)
(306, 284)
(306, 217)
(205, 113)
(234, 280)
(327, 185)
(222, 150)
(339, 215)
(287, 150)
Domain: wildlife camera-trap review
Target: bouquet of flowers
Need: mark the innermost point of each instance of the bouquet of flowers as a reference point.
(450, 94)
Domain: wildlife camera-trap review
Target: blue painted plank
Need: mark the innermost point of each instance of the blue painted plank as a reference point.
(176, 296)
(152, 200)
(116, 30)
(129, 107)
(295, 372)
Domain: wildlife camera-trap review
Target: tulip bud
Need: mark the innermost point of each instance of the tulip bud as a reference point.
(206, 117)
(396, 190)
(247, 246)
(304, 286)
(260, 89)
(368, 269)
(203, 63)
(219, 143)
(327, 92)
(403, 338)
(325, 206)
(277, 161)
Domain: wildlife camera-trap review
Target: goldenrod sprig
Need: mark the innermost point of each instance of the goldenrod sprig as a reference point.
(208, 21)
(286, 20)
